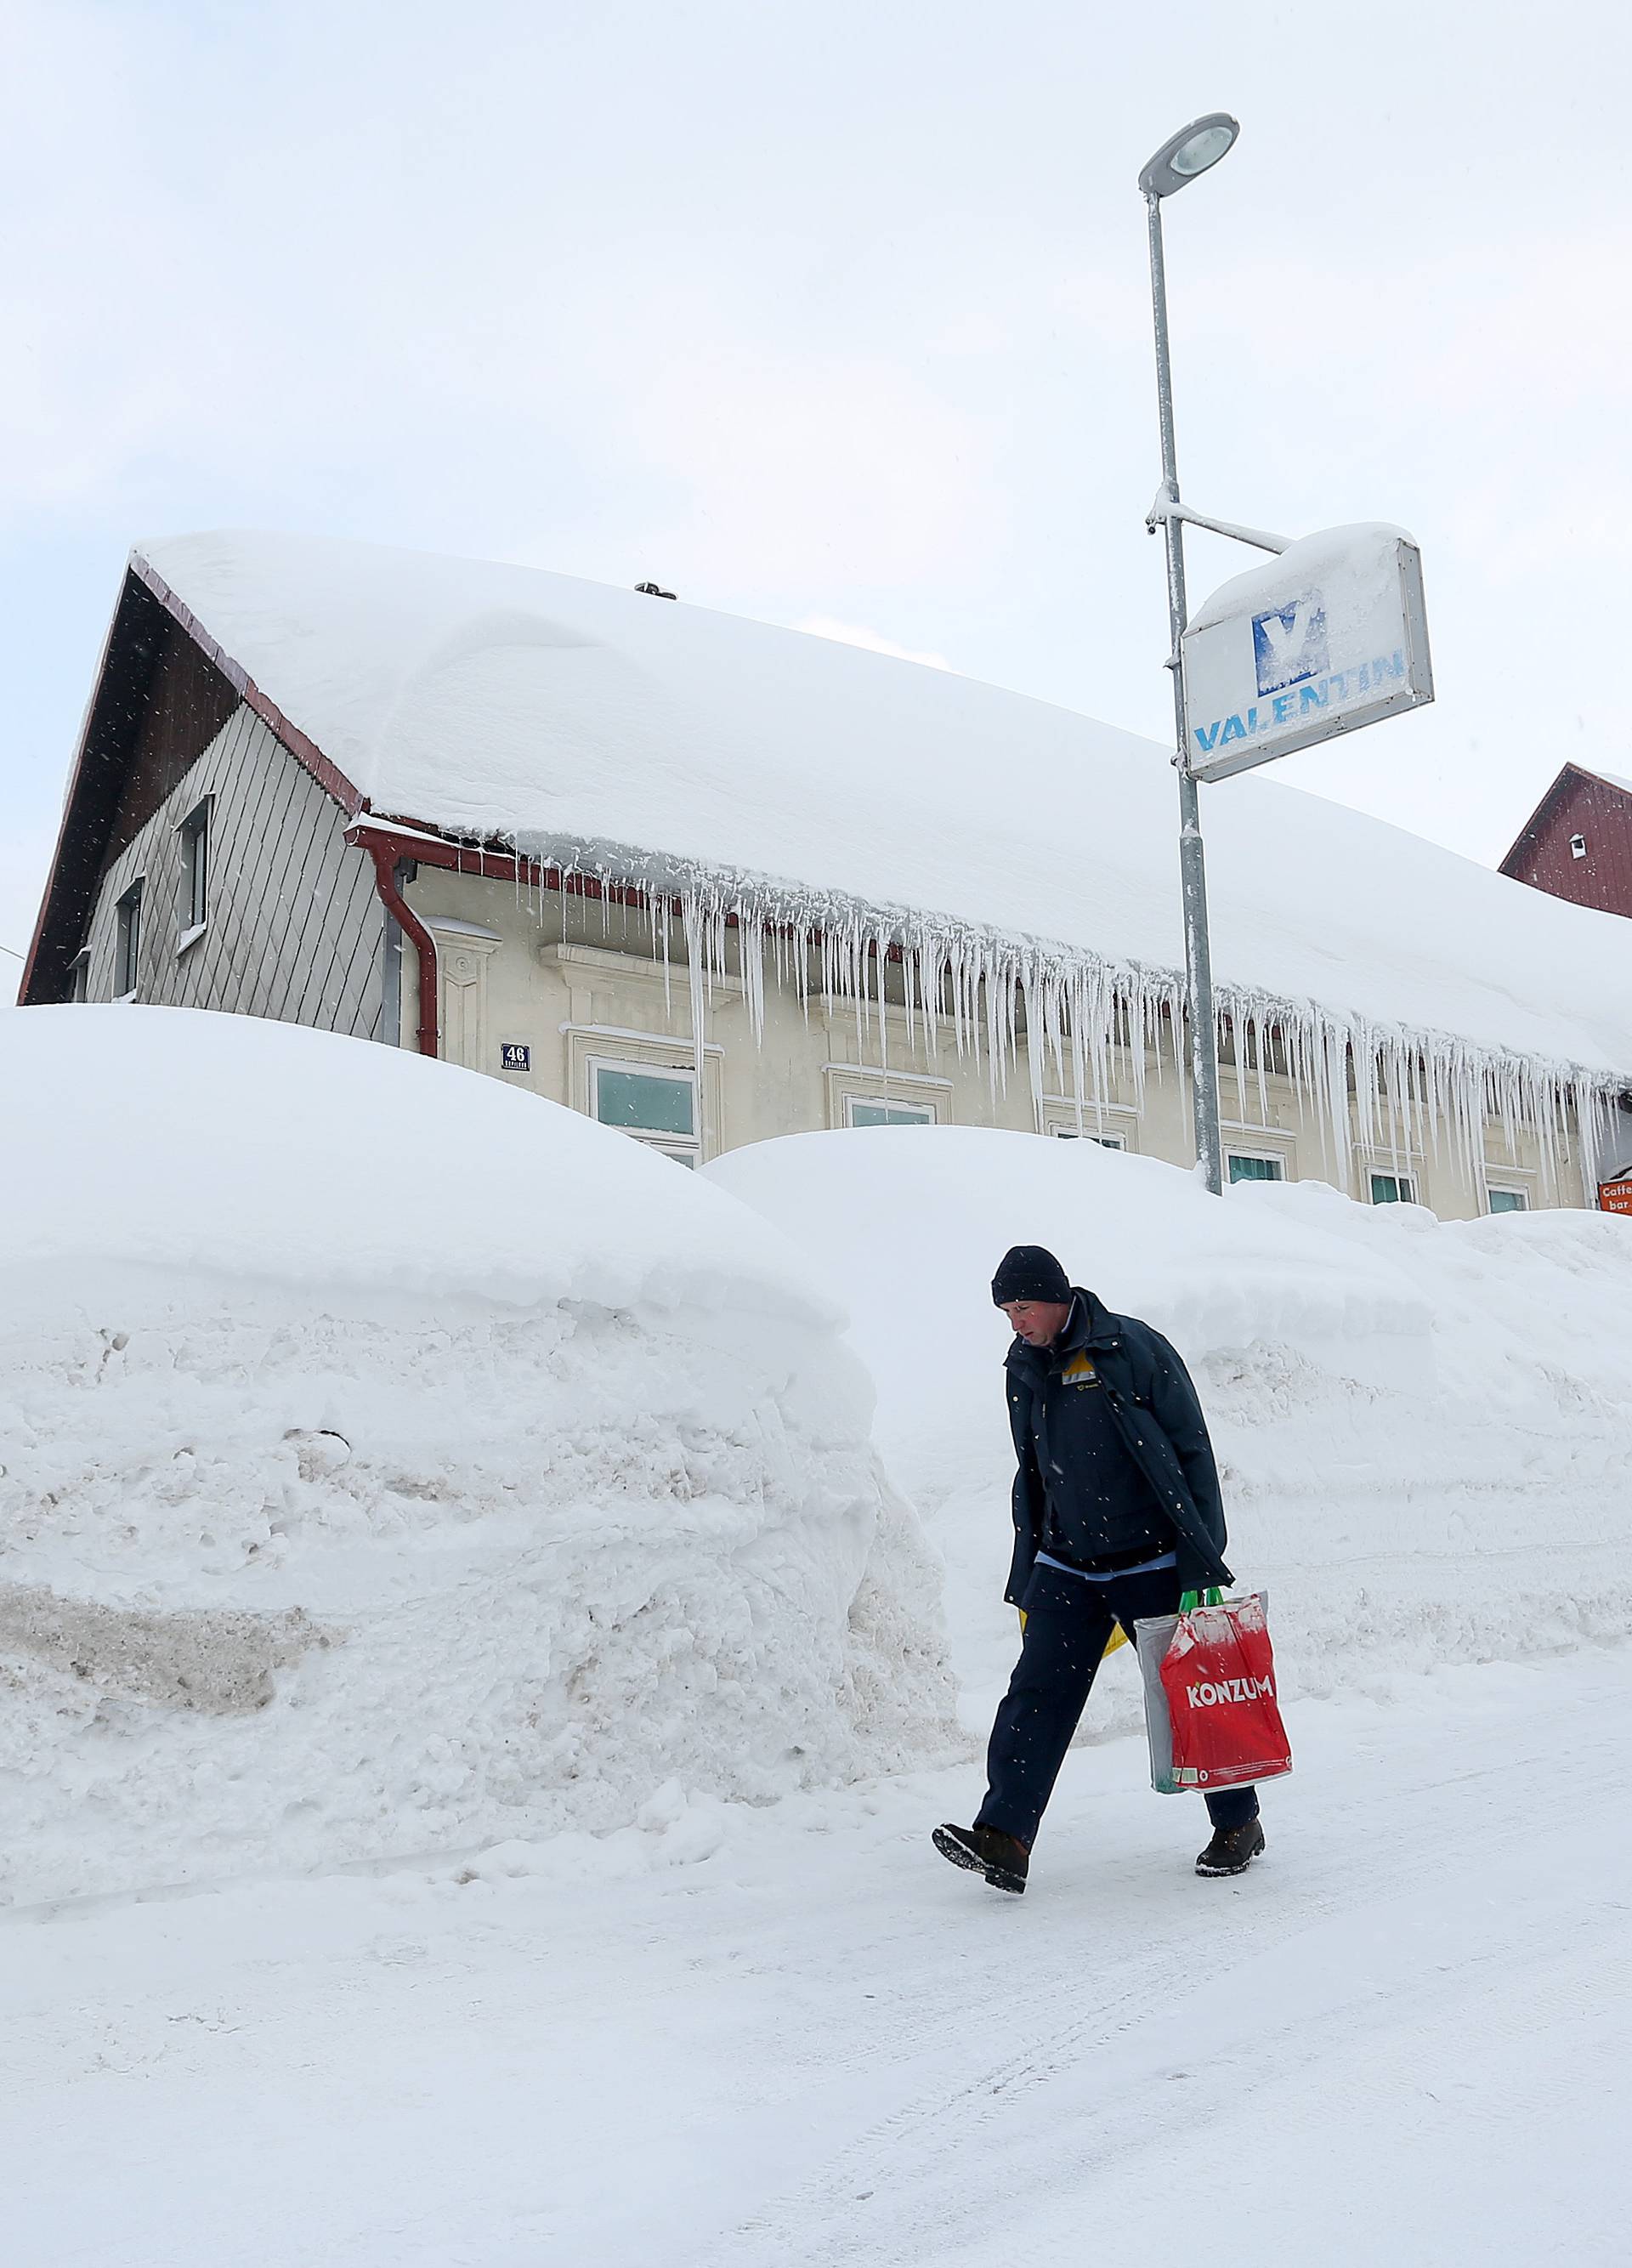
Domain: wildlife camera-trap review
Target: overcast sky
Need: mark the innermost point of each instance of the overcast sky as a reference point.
(837, 315)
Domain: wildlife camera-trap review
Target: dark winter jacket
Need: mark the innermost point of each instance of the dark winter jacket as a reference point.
(1154, 1409)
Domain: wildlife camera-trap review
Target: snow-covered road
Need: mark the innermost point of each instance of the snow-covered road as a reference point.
(792, 2037)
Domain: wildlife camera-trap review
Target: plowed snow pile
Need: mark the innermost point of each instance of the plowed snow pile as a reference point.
(394, 1461)
(1424, 1427)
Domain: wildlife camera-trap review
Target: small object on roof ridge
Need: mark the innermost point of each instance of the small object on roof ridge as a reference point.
(652, 591)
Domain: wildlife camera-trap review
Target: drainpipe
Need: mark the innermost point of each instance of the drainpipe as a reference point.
(388, 863)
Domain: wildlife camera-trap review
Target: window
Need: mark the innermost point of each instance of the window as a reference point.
(861, 1110)
(128, 943)
(79, 974)
(1577, 846)
(1255, 1165)
(1112, 1125)
(193, 904)
(1392, 1188)
(658, 1106)
(1507, 1200)
(870, 1094)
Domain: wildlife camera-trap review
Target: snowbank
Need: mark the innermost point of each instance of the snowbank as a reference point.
(1425, 1428)
(393, 1462)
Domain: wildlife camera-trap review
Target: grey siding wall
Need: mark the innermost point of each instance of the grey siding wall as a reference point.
(296, 930)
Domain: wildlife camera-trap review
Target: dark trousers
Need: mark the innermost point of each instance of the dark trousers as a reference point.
(1068, 1626)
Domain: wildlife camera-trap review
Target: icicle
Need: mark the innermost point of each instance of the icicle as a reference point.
(1081, 1018)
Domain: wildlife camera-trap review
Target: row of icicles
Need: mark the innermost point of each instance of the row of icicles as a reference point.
(998, 999)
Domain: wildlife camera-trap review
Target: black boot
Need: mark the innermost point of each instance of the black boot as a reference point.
(1002, 1858)
(1232, 1849)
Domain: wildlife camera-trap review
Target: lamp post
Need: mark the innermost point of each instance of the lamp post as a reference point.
(1181, 160)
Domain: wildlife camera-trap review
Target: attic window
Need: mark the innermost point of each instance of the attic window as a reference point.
(1577, 846)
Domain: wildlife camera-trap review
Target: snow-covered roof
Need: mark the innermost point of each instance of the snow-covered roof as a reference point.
(1610, 779)
(616, 729)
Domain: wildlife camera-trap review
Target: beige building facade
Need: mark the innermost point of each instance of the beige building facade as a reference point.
(569, 997)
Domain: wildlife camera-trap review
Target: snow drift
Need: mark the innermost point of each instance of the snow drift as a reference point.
(1424, 1428)
(394, 1461)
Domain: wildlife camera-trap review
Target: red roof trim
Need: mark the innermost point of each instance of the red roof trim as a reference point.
(410, 838)
(305, 750)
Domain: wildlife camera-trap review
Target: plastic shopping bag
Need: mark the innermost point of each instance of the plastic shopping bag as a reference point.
(1154, 1635)
(1209, 1697)
(1219, 1675)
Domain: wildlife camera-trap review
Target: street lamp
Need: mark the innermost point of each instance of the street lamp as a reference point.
(1179, 161)
(1190, 152)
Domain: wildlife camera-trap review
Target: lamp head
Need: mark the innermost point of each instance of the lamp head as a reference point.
(1188, 153)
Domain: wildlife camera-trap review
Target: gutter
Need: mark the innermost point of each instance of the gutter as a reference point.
(392, 847)
(411, 840)
(390, 852)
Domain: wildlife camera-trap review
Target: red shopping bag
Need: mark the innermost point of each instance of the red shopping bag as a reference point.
(1218, 1675)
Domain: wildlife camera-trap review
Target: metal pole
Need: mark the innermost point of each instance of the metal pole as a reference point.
(1192, 863)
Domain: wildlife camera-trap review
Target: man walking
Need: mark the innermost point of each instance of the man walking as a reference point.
(1117, 1512)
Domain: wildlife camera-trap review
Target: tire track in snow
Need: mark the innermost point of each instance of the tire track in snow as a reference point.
(823, 2220)
(1085, 2139)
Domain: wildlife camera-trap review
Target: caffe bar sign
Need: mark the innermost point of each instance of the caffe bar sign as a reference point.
(1331, 634)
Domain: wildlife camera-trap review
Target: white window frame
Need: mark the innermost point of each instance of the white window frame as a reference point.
(687, 1149)
(890, 1090)
(1405, 1164)
(1375, 1169)
(1577, 846)
(917, 1112)
(1523, 1180)
(626, 1049)
(127, 915)
(1110, 1124)
(79, 977)
(1507, 1190)
(1238, 1138)
(192, 836)
(1276, 1158)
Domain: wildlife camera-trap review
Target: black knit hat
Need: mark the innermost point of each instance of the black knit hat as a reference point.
(1026, 1271)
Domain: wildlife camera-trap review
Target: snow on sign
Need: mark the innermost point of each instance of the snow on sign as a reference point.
(1330, 636)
